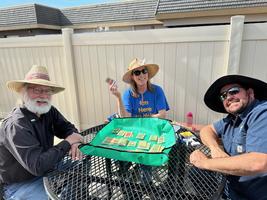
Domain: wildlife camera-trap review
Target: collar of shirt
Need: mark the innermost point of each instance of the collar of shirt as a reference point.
(234, 118)
(30, 115)
(249, 108)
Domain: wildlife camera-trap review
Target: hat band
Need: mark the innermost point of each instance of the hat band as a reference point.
(37, 76)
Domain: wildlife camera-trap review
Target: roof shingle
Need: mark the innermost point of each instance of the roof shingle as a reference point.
(176, 6)
(122, 11)
(18, 15)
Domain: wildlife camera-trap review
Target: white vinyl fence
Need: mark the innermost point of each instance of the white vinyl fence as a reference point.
(190, 59)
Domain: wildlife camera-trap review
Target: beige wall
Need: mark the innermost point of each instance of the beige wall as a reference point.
(189, 59)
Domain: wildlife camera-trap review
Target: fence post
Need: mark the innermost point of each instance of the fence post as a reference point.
(70, 74)
(235, 43)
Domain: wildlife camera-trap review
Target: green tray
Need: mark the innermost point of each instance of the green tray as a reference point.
(113, 141)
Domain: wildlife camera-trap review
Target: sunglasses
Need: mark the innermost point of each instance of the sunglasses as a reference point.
(41, 91)
(138, 72)
(232, 91)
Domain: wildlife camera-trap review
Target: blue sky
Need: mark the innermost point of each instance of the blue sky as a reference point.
(53, 3)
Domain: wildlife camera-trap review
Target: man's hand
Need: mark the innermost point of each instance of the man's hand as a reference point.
(75, 140)
(75, 152)
(198, 159)
(217, 152)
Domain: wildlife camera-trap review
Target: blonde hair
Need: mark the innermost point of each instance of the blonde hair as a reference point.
(134, 89)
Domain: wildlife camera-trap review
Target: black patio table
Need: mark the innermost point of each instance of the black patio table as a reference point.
(102, 178)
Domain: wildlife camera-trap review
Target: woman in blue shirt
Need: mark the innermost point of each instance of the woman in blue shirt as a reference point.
(142, 99)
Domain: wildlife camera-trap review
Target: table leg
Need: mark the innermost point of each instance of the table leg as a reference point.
(109, 175)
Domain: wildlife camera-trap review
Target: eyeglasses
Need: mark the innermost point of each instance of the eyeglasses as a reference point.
(41, 91)
(232, 91)
(138, 72)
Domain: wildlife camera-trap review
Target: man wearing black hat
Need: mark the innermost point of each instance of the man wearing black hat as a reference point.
(243, 132)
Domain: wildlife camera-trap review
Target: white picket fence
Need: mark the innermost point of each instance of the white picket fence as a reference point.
(190, 59)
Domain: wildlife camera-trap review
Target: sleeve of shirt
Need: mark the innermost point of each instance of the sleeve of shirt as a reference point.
(126, 99)
(62, 127)
(219, 127)
(161, 101)
(26, 149)
(256, 133)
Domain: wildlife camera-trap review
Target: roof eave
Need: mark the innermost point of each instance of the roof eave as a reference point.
(115, 24)
(30, 26)
(209, 13)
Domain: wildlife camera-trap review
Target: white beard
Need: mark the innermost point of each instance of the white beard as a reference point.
(31, 104)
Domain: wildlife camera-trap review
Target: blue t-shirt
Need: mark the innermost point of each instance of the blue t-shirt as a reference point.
(243, 134)
(151, 102)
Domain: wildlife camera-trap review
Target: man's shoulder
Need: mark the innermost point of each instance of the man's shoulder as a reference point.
(263, 103)
(260, 106)
(53, 109)
(15, 117)
(260, 109)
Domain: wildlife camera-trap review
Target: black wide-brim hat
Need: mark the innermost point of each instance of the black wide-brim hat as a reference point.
(212, 99)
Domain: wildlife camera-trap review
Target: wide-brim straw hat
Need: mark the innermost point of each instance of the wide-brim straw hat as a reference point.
(136, 63)
(37, 75)
(212, 99)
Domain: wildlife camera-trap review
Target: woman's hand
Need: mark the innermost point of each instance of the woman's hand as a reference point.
(160, 114)
(114, 90)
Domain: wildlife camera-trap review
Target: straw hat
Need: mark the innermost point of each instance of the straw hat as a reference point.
(151, 68)
(37, 75)
(211, 97)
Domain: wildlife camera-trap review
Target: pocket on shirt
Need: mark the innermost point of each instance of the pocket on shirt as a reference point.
(239, 144)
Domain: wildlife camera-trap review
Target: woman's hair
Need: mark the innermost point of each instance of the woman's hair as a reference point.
(134, 90)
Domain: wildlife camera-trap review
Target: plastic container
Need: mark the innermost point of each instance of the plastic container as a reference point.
(189, 119)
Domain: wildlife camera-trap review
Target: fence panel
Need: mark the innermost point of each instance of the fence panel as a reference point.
(190, 59)
(186, 58)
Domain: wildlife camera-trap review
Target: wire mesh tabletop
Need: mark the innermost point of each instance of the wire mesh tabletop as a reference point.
(102, 178)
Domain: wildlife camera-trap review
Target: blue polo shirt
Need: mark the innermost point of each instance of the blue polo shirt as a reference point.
(243, 134)
(151, 102)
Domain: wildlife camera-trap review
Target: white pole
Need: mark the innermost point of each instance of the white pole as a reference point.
(70, 75)
(235, 43)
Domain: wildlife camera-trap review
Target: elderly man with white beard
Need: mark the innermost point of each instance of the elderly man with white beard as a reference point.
(27, 151)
